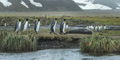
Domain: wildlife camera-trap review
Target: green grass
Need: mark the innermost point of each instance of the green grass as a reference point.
(18, 43)
(110, 20)
(99, 44)
(10, 42)
(108, 32)
(111, 32)
(46, 20)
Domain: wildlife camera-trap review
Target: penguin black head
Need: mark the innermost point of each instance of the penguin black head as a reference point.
(26, 19)
(38, 19)
(55, 18)
(19, 19)
(64, 19)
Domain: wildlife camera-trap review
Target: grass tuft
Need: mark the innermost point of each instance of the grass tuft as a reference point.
(99, 44)
(17, 43)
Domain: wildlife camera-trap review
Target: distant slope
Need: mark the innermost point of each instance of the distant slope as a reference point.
(111, 3)
(38, 5)
(98, 4)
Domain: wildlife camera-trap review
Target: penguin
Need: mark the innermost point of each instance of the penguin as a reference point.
(92, 27)
(53, 26)
(25, 25)
(18, 26)
(87, 27)
(5, 24)
(37, 26)
(104, 27)
(99, 28)
(67, 26)
(96, 28)
(63, 27)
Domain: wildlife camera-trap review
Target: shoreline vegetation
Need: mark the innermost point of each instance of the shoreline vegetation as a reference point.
(99, 42)
(29, 41)
(26, 41)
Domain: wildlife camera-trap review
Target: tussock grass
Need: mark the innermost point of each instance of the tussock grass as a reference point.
(18, 44)
(10, 42)
(99, 44)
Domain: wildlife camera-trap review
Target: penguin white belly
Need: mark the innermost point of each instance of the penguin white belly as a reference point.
(92, 28)
(16, 29)
(64, 28)
(19, 26)
(104, 27)
(96, 28)
(38, 26)
(54, 27)
(25, 26)
(87, 27)
(100, 27)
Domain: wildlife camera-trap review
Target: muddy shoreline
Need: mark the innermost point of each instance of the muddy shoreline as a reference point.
(56, 44)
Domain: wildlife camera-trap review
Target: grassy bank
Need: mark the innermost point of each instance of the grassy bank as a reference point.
(99, 44)
(29, 41)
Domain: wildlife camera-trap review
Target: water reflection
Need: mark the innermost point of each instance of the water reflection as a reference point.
(55, 54)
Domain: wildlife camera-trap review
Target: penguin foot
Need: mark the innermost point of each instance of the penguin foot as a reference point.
(55, 33)
(50, 32)
(64, 33)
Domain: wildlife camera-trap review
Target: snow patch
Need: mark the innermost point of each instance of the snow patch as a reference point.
(89, 5)
(118, 6)
(95, 6)
(35, 3)
(6, 3)
(24, 4)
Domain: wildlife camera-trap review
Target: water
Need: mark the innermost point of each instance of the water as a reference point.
(55, 54)
(45, 27)
(70, 27)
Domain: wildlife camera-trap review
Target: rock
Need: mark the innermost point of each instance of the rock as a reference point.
(80, 31)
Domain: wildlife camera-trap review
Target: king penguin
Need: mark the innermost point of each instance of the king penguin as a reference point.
(18, 26)
(53, 26)
(37, 26)
(63, 26)
(25, 25)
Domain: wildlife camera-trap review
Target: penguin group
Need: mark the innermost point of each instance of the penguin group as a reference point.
(96, 28)
(24, 26)
(62, 26)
